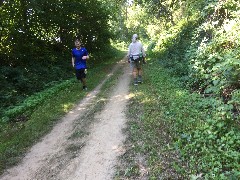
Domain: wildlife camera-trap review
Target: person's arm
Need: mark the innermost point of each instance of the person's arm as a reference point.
(73, 60)
(143, 51)
(85, 57)
(128, 54)
(129, 50)
(143, 55)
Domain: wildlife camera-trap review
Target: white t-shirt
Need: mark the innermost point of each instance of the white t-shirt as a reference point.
(135, 49)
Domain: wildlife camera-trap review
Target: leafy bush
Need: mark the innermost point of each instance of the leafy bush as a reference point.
(20, 82)
(203, 130)
(172, 45)
(215, 63)
(205, 55)
(30, 103)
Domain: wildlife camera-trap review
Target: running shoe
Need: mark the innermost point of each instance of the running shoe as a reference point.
(135, 82)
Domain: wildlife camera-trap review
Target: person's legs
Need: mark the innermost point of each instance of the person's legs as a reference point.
(81, 75)
(139, 71)
(84, 83)
(78, 74)
(83, 79)
(134, 72)
(140, 75)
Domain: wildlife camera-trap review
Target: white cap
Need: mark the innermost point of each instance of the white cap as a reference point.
(135, 36)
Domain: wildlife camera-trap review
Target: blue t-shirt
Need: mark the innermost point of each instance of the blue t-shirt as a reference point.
(78, 54)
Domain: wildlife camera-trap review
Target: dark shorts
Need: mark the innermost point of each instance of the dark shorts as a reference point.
(80, 73)
(137, 63)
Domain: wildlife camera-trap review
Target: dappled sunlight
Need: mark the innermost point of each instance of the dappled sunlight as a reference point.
(81, 108)
(118, 96)
(86, 102)
(137, 93)
(110, 74)
(101, 99)
(118, 149)
(129, 96)
(121, 97)
(180, 93)
(147, 100)
(67, 106)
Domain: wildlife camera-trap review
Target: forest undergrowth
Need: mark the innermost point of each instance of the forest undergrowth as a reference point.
(179, 134)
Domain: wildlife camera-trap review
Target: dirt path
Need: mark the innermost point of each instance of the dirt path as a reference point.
(93, 156)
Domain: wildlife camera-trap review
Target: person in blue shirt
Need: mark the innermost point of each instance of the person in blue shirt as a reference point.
(79, 58)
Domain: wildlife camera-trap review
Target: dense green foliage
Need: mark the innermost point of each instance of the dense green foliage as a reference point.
(195, 42)
(198, 44)
(204, 48)
(30, 28)
(180, 134)
(36, 38)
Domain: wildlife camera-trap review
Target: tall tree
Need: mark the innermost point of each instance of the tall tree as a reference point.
(45, 23)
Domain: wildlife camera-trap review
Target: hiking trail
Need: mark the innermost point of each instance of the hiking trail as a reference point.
(61, 155)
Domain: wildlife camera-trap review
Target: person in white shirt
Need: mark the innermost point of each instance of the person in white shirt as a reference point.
(135, 55)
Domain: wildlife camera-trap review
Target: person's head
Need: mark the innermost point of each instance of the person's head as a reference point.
(134, 38)
(77, 43)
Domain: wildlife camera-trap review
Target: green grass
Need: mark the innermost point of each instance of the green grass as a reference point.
(169, 129)
(149, 134)
(18, 137)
